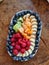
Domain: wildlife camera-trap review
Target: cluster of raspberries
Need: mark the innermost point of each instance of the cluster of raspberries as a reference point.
(19, 43)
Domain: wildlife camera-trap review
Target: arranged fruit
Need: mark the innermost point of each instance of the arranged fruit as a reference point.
(23, 40)
(24, 34)
(19, 43)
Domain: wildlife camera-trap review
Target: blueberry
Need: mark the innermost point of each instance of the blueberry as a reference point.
(30, 55)
(37, 15)
(14, 18)
(33, 14)
(10, 51)
(11, 47)
(39, 28)
(14, 21)
(16, 15)
(36, 41)
(25, 58)
(10, 27)
(38, 32)
(8, 39)
(22, 14)
(36, 46)
(28, 11)
(19, 14)
(39, 24)
(19, 58)
(11, 24)
(33, 54)
(7, 44)
(12, 31)
(10, 36)
(7, 48)
(25, 12)
(37, 36)
(9, 33)
(15, 58)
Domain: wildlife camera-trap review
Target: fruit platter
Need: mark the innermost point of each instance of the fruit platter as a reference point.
(24, 35)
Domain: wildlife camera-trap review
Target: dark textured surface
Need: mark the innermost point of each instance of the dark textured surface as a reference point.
(7, 9)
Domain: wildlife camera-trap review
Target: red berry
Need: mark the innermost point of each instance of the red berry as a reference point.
(22, 51)
(24, 40)
(16, 43)
(20, 41)
(13, 44)
(18, 35)
(28, 43)
(23, 44)
(27, 40)
(12, 40)
(27, 48)
(17, 47)
(15, 51)
(14, 35)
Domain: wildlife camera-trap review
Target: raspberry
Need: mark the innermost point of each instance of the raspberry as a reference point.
(20, 41)
(24, 40)
(18, 35)
(13, 44)
(28, 43)
(27, 40)
(12, 40)
(27, 48)
(23, 44)
(15, 51)
(17, 47)
(22, 51)
(16, 42)
(14, 35)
